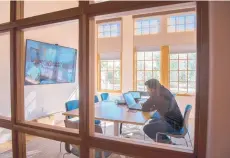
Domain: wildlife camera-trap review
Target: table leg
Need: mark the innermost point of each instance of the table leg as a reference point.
(116, 129)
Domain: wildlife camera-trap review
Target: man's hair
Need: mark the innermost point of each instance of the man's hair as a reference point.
(152, 83)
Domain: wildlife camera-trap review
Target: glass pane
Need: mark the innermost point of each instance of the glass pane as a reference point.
(182, 64)
(156, 55)
(183, 56)
(106, 34)
(174, 65)
(140, 75)
(171, 28)
(100, 153)
(4, 11)
(190, 27)
(137, 31)
(191, 55)
(173, 56)
(148, 65)
(100, 28)
(156, 75)
(174, 86)
(33, 8)
(140, 55)
(104, 75)
(145, 31)
(114, 27)
(117, 85)
(100, 35)
(180, 20)
(110, 84)
(148, 55)
(145, 23)
(180, 28)
(110, 65)
(191, 64)
(156, 65)
(106, 27)
(173, 75)
(117, 65)
(110, 75)
(5, 97)
(138, 24)
(171, 21)
(182, 87)
(191, 75)
(117, 74)
(5, 143)
(140, 65)
(104, 65)
(183, 76)
(191, 87)
(148, 75)
(140, 86)
(190, 19)
(114, 34)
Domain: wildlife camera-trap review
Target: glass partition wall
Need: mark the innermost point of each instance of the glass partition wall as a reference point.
(23, 24)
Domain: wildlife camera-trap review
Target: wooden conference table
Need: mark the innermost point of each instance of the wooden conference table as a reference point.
(109, 111)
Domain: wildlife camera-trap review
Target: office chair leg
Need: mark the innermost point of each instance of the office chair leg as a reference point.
(120, 128)
(186, 142)
(190, 139)
(65, 155)
(60, 146)
(157, 137)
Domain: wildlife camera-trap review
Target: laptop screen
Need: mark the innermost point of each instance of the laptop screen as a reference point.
(136, 95)
(129, 99)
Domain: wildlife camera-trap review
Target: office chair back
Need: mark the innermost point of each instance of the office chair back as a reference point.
(187, 112)
(104, 96)
(71, 105)
(96, 99)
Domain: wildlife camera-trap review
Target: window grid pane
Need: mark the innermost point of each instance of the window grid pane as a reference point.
(148, 66)
(110, 75)
(182, 73)
(181, 23)
(109, 30)
(147, 26)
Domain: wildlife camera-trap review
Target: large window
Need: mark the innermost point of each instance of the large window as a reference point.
(183, 73)
(147, 26)
(147, 67)
(110, 75)
(111, 29)
(181, 23)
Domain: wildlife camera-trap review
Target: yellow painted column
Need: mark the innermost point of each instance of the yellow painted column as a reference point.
(164, 66)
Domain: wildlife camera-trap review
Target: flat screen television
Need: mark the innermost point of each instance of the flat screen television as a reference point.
(49, 63)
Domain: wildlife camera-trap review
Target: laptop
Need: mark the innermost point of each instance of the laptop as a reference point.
(135, 94)
(130, 101)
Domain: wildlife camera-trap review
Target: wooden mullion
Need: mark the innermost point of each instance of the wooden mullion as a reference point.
(5, 122)
(120, 6)
(17, 86)
(48, 134)
(135, 149)
(202, 78)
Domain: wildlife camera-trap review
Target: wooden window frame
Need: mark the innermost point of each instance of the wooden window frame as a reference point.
(86, 137)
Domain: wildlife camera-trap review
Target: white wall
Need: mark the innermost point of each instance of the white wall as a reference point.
(4, 11)
(219, 102)
(43, 99)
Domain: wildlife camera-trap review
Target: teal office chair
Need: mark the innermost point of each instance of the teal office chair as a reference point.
(104, 96)
(74, 104)
(74, 149)
(184, 131)
(96, 99)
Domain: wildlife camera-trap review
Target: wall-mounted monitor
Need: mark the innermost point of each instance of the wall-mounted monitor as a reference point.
(49, 63)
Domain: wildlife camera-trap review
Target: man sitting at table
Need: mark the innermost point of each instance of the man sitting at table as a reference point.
(163, 101)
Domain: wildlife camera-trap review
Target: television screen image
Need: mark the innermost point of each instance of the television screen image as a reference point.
(49, 63)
